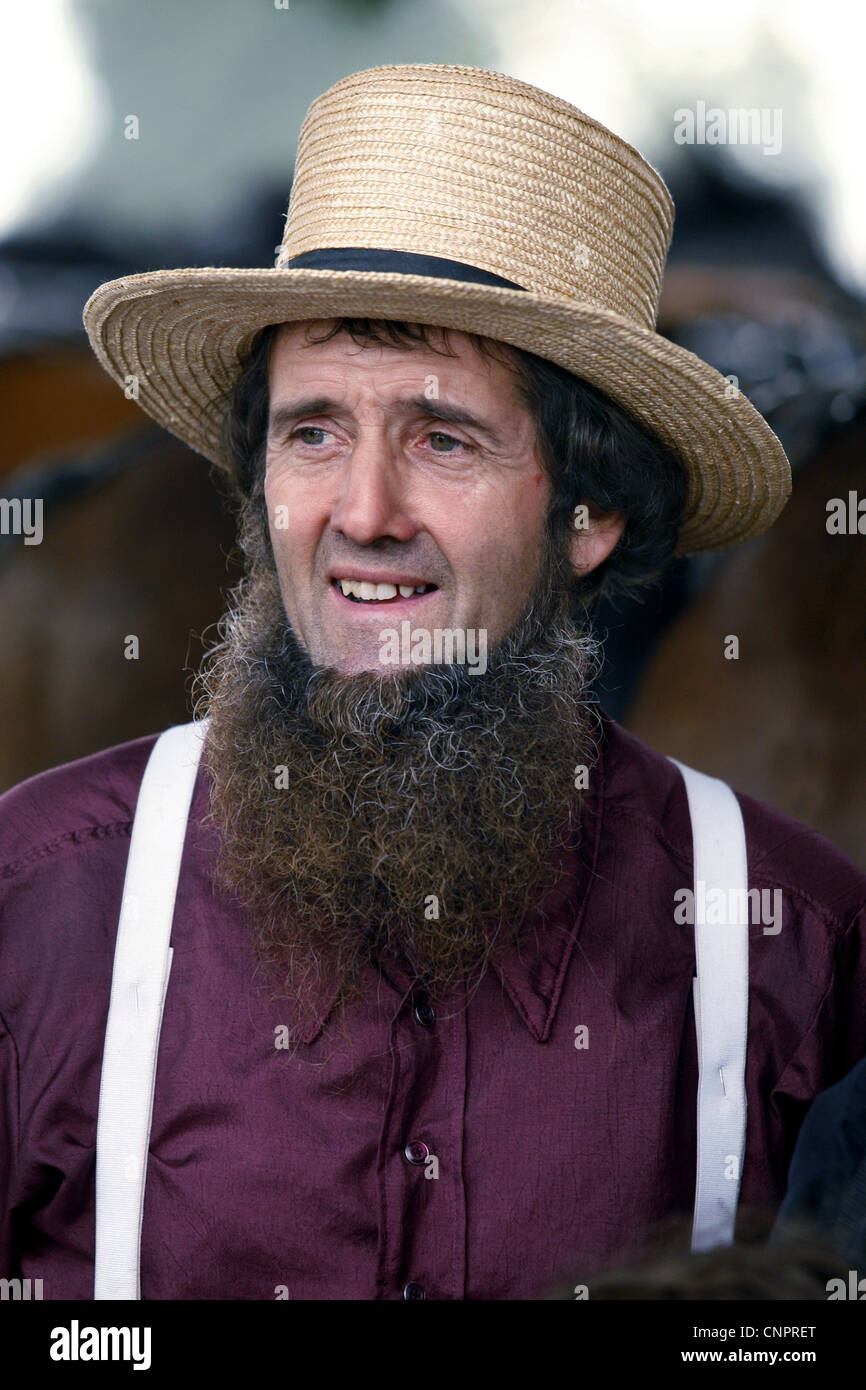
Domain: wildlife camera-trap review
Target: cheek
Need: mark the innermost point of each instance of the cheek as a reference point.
(279, 513)
(532, 494)
(531, 509)
(285, 511)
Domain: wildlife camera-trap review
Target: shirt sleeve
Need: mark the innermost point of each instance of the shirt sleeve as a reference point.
(834, 1042)
(8, 1148)
(842, 1031)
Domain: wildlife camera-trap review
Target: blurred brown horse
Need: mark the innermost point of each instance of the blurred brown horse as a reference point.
(135, 546)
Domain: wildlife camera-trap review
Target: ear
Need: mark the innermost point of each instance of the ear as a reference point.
(595, 535)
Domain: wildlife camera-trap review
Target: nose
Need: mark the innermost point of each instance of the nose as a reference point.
(372, 501)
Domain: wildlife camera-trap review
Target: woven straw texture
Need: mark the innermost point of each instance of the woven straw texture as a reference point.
(477, 167)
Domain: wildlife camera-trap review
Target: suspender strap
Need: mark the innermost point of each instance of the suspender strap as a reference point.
(721, 999)
(142, 961)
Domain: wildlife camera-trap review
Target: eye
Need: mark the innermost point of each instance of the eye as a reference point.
(440, 434)
(308, 429)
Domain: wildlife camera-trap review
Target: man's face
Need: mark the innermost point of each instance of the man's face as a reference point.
(465, 778)
(367, 481)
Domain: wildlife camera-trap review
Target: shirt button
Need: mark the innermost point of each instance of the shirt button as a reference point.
(416, 1151)
(412, 1290)
(424, 1011)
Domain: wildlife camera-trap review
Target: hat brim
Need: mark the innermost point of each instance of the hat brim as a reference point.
(182, 334)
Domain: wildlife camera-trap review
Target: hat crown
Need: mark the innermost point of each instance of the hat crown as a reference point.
(478, 167)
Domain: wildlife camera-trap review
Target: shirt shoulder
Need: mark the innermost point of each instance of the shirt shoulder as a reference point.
(645, 789)
(70, 805)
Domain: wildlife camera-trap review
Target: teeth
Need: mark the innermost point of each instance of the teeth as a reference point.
(363, 589)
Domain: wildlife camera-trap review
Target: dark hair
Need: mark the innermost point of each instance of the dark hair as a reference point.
(592, 449)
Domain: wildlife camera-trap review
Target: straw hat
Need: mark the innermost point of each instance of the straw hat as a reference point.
(459, 197)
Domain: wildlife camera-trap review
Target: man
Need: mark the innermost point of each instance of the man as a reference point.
(426, 1025)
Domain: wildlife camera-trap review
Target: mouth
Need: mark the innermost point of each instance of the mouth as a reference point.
(380, 595)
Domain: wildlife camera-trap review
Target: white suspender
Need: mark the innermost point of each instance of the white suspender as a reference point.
(142, 961)
(721, 998)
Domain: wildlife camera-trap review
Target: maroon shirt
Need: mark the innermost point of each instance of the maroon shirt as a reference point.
(271, 1170)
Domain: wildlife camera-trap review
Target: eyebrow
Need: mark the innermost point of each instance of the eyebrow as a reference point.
(287, 412)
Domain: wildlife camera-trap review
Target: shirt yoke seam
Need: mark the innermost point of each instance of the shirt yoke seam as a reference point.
(81, 835)
(757, 876)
